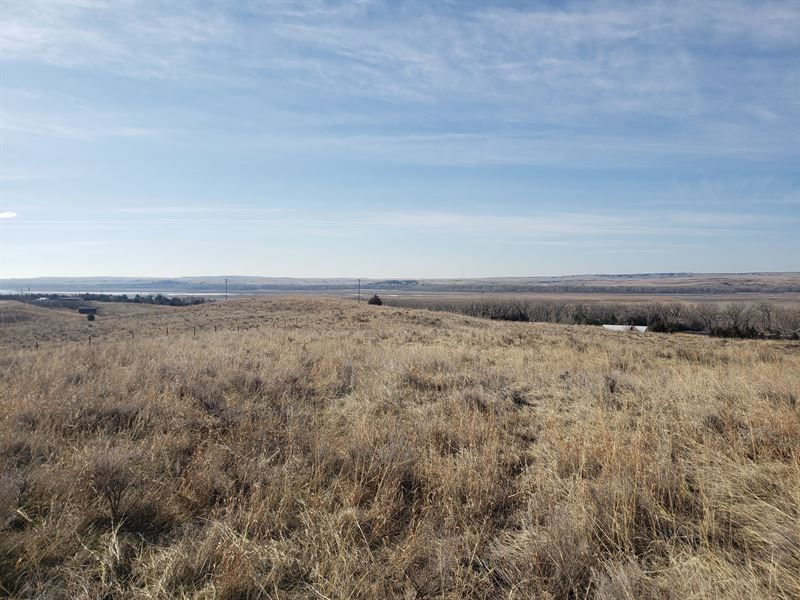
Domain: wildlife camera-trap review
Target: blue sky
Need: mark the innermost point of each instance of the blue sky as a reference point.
(414, 139)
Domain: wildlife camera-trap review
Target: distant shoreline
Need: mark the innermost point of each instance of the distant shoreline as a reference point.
(655, 284)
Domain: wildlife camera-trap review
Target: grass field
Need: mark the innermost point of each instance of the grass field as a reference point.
(350, 451)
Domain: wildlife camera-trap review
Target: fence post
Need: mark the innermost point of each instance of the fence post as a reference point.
(90, 340)
(194, 330)
(131, 333)
(167, 331)
(36, 346)
(215, 329)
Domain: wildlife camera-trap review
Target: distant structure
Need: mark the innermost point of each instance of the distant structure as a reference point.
(640, 328)
(59, 301)
(87, 310)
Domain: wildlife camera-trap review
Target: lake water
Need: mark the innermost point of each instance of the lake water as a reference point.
(130, 293)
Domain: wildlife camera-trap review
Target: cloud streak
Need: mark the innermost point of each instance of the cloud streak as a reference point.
(554, 229)
(575, 224)
(189, 209)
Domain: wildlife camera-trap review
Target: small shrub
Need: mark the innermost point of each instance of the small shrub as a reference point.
(375, 300)
(110, 478)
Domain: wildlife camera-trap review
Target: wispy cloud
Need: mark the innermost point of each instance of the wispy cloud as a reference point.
(548, 148)
(190, 209)
(146, 41)
(72, 126)
(574, 224)
(7, 214)
(548, 228)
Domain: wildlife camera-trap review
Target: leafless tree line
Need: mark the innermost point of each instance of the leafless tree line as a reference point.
(733, 319)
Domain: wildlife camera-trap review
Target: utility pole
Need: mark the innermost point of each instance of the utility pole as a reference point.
(359, 289)
(226, 288)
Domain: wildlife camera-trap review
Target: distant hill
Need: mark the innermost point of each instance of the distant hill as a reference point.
(641, 283)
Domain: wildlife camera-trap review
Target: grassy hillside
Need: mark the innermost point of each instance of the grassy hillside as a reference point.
(343, 451)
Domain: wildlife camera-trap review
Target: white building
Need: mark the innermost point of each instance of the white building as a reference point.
(640, 328)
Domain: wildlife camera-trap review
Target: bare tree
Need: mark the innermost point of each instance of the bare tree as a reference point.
(655, 313)
(787, 322)
(767, 310)
(709, 315)
(737, 315)
(673, 313)
(519, 310)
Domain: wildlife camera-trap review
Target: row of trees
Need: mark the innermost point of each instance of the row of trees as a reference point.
(733, 319)
(147, 299)
(63, 300)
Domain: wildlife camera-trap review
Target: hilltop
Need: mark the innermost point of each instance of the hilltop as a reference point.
(351, 451)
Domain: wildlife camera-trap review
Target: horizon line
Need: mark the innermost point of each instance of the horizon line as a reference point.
(406, 278)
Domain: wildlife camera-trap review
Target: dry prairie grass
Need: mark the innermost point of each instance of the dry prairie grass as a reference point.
(372, 452)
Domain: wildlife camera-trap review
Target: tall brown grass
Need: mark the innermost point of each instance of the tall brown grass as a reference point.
(371, 452)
